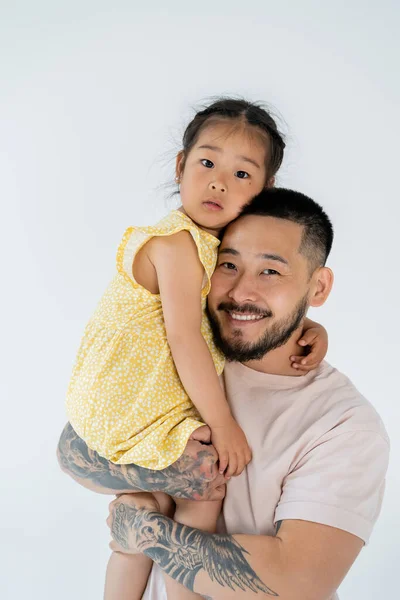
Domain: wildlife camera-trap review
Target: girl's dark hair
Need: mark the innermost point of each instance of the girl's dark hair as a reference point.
(239, 110)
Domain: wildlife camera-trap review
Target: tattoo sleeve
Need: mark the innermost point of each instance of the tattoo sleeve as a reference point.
(183, 552)
(188, 478)
(278, 526)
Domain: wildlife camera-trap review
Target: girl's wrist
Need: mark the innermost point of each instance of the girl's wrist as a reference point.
(220, 420)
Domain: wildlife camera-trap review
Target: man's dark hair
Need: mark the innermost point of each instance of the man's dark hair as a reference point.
(293, 206)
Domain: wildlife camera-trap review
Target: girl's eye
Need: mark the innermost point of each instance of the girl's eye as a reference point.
(270, 272)
(207, 163)
(242, 175)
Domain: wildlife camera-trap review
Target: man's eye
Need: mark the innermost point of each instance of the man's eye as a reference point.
(270, 272)
(207, 163)
(242, 175)
(228, 265)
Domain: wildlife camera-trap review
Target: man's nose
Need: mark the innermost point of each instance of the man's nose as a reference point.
(243, 290)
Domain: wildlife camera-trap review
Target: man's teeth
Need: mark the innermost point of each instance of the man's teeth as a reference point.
(239, 317)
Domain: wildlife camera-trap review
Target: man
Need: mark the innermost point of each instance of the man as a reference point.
(307, 502)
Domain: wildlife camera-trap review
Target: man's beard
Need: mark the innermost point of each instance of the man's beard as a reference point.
(276, 336)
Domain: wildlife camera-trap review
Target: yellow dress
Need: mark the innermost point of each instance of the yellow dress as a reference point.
(125, 398)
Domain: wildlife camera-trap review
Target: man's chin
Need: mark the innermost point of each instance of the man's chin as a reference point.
(244, 333)
(235, 346)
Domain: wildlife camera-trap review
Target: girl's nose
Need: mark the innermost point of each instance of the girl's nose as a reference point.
(217, 186)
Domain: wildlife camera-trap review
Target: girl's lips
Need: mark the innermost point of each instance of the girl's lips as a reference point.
(211, 205)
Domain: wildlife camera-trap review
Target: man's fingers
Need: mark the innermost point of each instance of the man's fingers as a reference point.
(221, 491)
(218, 493)
(202, 434)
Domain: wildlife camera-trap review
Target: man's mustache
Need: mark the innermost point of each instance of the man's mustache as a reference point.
(244, 308)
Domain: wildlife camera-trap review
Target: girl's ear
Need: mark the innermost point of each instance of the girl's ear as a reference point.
(271, 182)
(180, 161)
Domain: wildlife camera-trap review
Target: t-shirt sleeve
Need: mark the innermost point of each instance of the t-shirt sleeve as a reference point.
(340, 482)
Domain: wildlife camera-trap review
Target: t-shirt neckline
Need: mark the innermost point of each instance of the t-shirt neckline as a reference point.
(273, 381)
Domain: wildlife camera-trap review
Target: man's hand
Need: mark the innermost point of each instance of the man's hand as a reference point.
(127, 517)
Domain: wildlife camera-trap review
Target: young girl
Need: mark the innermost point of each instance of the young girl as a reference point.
(146, 375)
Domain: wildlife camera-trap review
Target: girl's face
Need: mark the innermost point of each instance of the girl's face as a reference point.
(223, 171)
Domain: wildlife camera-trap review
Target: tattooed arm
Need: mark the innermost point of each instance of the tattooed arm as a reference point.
(194, 476)
(304, 559)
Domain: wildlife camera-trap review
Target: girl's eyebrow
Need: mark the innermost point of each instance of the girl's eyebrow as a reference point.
(241, 157)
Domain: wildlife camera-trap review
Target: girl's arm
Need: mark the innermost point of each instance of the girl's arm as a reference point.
(315, 337)
(180, 278)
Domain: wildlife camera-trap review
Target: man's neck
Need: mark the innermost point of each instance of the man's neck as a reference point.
(277, 362)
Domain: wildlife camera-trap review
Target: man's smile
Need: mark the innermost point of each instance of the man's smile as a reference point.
(244, 317)
(245, 314)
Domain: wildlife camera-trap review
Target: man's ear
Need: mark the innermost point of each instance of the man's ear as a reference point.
(322, 285)
(180, 161)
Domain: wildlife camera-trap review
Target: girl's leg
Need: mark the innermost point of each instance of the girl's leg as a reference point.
(200, 515)
(127, 574)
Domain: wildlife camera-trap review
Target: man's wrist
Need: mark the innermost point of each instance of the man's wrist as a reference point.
(148, 535)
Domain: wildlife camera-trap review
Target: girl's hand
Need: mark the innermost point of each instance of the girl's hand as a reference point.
(233, 450)
(316, 338)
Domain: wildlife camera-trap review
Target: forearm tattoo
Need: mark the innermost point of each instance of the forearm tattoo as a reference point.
(182, 552)
(188, 478)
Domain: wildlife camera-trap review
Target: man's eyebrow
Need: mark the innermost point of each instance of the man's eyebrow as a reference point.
(229, 251)
(275, 257)
(241, 157)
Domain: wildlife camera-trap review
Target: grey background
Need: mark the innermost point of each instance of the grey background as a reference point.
(94, 97)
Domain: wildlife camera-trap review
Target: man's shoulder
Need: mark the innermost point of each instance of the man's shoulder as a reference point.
(338, 393)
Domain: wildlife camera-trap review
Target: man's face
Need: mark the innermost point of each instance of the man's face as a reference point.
(260, 288)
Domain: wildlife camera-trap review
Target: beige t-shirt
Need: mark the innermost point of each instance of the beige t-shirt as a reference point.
(320, 453)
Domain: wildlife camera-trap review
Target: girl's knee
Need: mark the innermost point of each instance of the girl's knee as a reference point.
(201, 515)
(167, 505)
